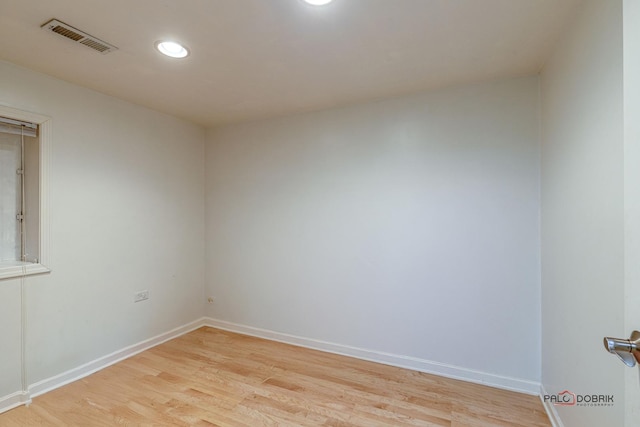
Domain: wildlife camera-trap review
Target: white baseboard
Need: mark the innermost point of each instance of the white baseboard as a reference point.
(436, 368)
(550, 408)
(514, 384)
(89, 368)
(14, 400)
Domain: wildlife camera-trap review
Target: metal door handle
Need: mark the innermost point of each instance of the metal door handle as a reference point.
(627, 350)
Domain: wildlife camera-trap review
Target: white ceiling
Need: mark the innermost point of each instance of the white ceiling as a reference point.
(254, 59)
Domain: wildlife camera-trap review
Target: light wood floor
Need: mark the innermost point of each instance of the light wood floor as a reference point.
(215, 378)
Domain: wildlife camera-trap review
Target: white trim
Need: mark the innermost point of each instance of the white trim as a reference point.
(553, 415)
(437, 368)
(20, 398)
(89, 368)
(22, 270)
(449, 371)
(46, 136)
(14, 400)
(46, 141)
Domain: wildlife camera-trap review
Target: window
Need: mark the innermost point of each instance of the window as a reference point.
(24, 142)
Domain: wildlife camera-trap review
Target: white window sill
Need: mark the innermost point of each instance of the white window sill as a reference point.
(9, 269)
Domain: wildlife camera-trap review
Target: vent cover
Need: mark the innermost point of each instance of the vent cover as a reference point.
(71, 33)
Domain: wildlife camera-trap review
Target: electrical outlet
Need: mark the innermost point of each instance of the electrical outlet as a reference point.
(210, 300)
(141, 296)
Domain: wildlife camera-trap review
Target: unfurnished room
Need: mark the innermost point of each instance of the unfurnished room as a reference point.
(320, 213)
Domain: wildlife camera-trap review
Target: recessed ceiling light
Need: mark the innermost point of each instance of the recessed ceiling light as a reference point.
(172, 49)
(318, 2)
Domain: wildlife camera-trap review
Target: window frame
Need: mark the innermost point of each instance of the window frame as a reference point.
(45, 136)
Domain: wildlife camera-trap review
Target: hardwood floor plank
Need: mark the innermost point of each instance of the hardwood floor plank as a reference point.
(211, 377)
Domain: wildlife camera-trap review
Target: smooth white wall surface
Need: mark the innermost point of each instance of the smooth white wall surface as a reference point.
(631, 49)
(127, 214)
(582, 213)
(10, 344)
(408, 226)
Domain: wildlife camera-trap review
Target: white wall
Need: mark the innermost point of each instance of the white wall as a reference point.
(582, 213)
(10, 344)
(408, 226)
(127, 214)
(631, 48)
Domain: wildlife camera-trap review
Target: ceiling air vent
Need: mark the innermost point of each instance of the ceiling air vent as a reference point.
(74, 34)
